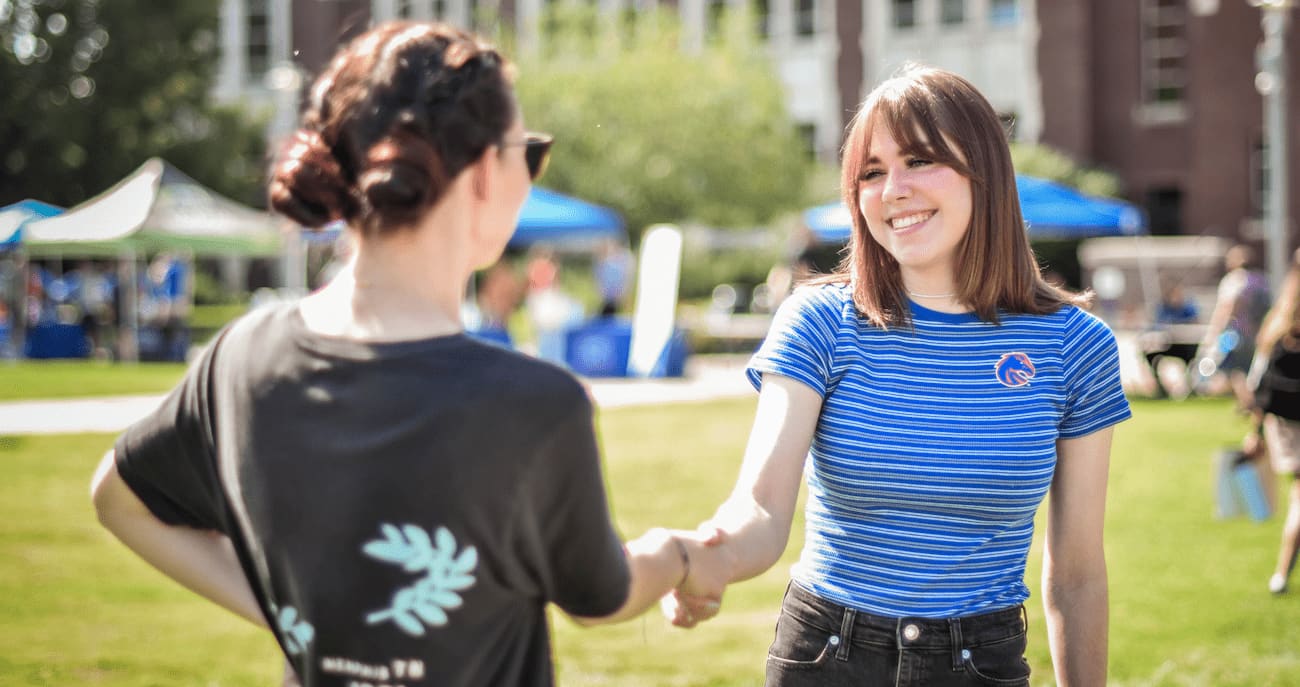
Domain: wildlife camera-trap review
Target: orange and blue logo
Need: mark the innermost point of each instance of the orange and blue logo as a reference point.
(1014, 369)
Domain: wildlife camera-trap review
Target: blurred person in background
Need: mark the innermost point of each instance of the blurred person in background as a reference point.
(6, 332)
(550, 310)
(496, 297)
(1275, 381)
(612, 270)
(1175, 308)
(1229, 341)
(335, 468)
(933, 391)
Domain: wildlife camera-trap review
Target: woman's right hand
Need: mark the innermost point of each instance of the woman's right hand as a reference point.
(699, 597)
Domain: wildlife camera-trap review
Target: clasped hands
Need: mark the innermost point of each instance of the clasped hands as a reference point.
(698, 596)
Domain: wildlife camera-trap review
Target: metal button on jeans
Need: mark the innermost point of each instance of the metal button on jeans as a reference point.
(911, 632)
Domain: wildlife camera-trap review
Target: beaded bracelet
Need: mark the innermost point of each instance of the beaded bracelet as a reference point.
(686, 559)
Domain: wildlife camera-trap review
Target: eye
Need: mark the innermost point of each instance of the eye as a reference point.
(919, 162)
(870, 174)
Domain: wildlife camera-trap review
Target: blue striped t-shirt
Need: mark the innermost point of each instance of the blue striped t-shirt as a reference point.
(935, 445)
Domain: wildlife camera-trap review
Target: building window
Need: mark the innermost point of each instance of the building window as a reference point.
(1004, 12)
(808, 134)
(714, 14)
(439, 9)
(1008, 120)
(1259, 178)
(259, 38)
(1164, 52)
(904, 14)
(1164, 208)
(762, 14)
(404, 9)
(805, 17)
(627, 22)
(952, 12)
(477, 14)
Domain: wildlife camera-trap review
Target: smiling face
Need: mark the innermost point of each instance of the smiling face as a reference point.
(917, 209)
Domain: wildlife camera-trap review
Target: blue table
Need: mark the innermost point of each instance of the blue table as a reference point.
(56, 341)
(600, 348)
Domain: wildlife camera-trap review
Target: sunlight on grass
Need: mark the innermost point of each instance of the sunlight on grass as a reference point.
(39, 379)
(1188, 603)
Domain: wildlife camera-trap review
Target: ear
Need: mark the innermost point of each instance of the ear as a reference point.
(484, 171)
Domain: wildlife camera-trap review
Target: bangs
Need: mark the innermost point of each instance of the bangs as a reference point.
(916, 121)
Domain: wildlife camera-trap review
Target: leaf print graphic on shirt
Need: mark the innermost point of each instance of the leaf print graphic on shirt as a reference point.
(426, 601)
(297, 632)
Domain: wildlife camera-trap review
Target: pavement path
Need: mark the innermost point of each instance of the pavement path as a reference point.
(707, 377)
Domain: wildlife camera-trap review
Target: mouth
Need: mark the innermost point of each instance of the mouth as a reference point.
(910, 220)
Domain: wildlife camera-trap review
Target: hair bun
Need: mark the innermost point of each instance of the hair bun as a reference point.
(308, 184)
(402, 175)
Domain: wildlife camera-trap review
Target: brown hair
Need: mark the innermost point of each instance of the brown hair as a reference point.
(940, 116)
(394, 118)
(1282, 323)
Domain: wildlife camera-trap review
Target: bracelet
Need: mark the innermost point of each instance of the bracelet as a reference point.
(686, 559)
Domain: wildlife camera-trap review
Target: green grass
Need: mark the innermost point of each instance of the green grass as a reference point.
(1188, 604)
(44, 379)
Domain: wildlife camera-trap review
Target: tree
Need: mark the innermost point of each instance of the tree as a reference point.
(92, 89)
(1043, 161)
(660, 133)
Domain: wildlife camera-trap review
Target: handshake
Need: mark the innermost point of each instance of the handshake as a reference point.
(704, 563)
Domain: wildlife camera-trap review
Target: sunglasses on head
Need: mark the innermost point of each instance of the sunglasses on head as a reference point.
(537, 152)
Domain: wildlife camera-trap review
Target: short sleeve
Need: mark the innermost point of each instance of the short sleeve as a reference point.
(801, 341)
(568, 538)
(167, 458)
(1095, 394)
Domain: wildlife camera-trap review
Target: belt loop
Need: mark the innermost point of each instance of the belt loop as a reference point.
(1024, 619)
(846, 634)
(954, 632)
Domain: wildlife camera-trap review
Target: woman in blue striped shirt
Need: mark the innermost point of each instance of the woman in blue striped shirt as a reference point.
(941, 389)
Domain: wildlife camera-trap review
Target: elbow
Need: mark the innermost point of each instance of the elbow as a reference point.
(1068, 590)
(586, 621)
(103, 489)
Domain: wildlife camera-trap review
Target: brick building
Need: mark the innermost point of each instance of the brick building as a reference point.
(1159, 91)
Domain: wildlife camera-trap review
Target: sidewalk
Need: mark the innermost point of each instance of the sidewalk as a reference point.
(707, 377)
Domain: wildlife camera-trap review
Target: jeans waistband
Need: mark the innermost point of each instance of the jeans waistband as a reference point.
(860, 627)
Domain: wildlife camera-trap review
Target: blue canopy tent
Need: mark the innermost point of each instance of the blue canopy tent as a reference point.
(546, 217)
(1052, 211)
(13, 217)
(12, 220)
(550, 217)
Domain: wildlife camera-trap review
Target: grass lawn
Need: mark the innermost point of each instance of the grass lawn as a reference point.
(1188, 599)
(38, 379)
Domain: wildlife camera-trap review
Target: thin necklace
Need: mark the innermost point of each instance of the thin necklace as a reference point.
(929, 295)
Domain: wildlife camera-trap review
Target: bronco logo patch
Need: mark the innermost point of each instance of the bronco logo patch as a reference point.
(1014, 369)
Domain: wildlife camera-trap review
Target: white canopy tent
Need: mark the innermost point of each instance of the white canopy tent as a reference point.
(156, 208)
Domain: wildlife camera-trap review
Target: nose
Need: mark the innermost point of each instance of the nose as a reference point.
(896, 186)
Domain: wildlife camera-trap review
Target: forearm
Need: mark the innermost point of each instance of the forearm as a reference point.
(203, 561)
(656, 567)
(1078, 617)
(756, 536)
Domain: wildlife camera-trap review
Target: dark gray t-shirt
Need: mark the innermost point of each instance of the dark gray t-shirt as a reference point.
(404, 511)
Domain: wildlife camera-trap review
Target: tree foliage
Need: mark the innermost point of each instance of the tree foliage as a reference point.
(661, 132)
(94, 88)
(1046, 162)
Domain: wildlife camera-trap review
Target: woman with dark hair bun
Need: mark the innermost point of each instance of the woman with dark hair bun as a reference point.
(396, 501)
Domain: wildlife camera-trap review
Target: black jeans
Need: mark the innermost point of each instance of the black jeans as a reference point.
(825, 644)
